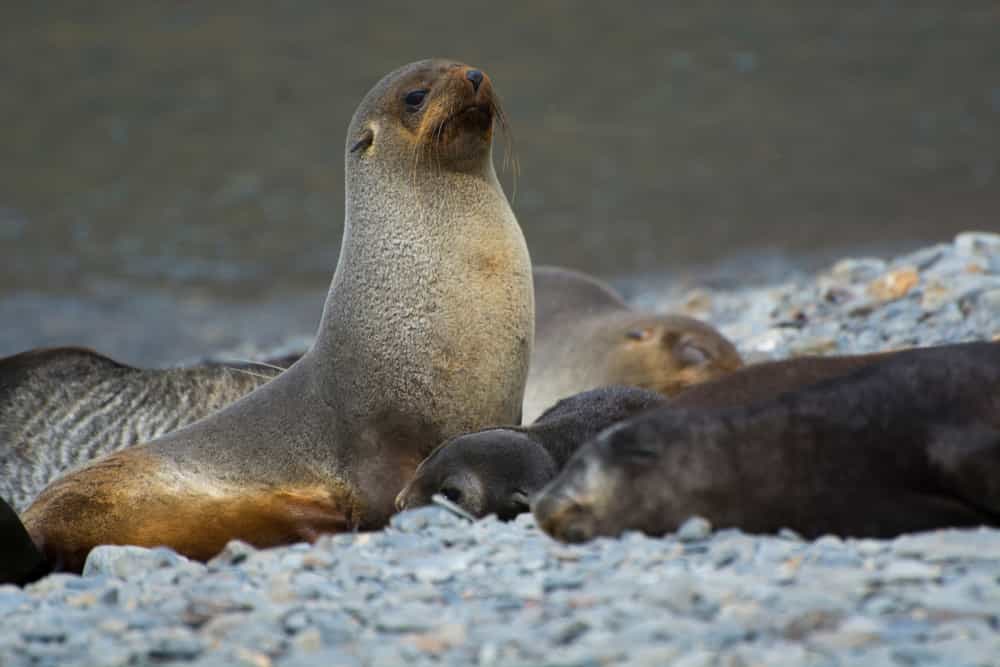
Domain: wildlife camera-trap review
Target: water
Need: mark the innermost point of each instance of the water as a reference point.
(171, 173)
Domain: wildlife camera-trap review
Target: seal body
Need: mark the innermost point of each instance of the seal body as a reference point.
(910, 442)
(426, 333)
(63, 407)
(586, 337)
(498, 470)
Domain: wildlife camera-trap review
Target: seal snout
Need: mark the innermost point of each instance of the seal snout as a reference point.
(475, 76)
(564, 516)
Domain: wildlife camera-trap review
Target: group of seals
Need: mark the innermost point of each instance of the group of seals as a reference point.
(426, 337)
(904, 443)
(498, 470)
(63, 407)
(426, 333)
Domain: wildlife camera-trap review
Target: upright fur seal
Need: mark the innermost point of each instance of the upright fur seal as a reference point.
(63, 407)
(586, 336)
(426, 333)
(910, 442)
(498, 470)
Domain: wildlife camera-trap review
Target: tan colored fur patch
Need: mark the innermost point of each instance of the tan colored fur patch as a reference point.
(134, 497)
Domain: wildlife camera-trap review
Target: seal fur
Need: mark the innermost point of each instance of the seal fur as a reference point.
(426, 333)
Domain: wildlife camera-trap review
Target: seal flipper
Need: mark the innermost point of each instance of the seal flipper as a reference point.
(138, 498)
(21, 562)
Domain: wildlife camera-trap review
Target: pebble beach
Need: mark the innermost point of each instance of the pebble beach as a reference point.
(434, 588)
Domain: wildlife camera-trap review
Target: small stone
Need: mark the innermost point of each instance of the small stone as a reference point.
(894, 285)
(908, 570)
(128, 561)
(234, 553)
(858, 270)
(977, 243)
(694, 529)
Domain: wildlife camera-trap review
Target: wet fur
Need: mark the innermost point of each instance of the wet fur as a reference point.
(63, 407)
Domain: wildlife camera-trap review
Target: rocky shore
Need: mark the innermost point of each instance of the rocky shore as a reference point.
(436, 589)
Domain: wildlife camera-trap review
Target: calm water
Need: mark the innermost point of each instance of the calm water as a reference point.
(171, 173)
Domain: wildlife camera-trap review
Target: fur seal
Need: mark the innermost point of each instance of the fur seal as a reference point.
(909, 442)
(426, 333)
(494, 471)
(497, 470)
(586, 336)
(63, 407)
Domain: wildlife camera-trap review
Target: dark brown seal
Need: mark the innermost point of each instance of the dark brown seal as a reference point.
(63, 407)
(905, 443)
(426, 333)
(498, 470)
(586, 336)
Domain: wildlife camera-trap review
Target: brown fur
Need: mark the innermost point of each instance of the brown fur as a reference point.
(192, 514)
(588, 337)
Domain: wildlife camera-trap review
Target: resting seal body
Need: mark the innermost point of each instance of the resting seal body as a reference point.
(906, 443)
(586, 337)
(63, 407)
(426, 333)
(498, 470)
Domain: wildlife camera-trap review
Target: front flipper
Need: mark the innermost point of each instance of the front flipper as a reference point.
(138, 498)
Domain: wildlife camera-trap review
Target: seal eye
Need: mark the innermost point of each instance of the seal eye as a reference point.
(414, 99)
(452, 494)
(639, 334)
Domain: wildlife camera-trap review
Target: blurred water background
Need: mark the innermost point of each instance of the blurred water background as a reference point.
(171, 173)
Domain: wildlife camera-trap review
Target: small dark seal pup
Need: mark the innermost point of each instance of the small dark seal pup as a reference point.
(20, 561)
(909, 442)
(62, 407)
(497, 471)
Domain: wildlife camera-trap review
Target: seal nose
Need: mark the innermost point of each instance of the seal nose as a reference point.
(476, 77)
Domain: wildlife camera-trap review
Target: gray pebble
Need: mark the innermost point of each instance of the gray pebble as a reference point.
(694, 529)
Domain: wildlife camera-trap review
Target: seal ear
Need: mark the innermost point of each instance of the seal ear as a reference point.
(367, 137)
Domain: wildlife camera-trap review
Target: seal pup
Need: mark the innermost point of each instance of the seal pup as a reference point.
(62, 407)
(426, 333)
(586, 336)
(907, 443)
(498, 470)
